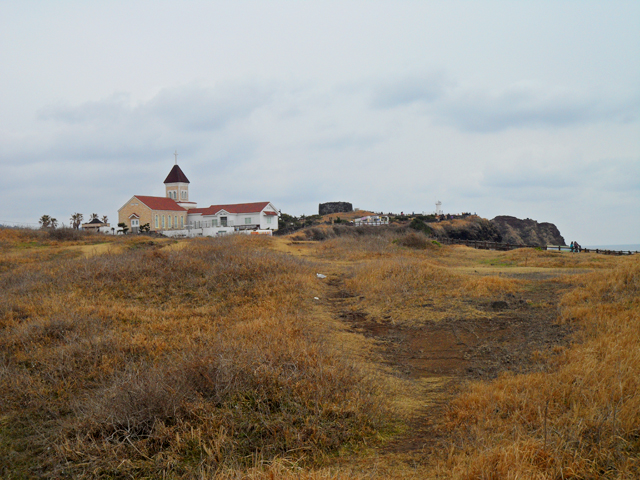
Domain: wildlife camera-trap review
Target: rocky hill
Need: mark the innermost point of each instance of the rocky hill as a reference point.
(528, 232)
(470, 228)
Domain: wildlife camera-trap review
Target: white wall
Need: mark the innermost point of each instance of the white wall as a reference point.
(199, 232)
(258, 219)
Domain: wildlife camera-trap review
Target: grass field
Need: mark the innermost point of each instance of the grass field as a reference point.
(133, 357)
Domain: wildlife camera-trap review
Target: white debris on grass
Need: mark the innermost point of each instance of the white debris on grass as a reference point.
(319, 275)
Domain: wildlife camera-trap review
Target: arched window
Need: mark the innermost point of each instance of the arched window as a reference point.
(156, 221)
(162, 221)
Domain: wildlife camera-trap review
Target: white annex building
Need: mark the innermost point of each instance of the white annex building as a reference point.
(175, 215)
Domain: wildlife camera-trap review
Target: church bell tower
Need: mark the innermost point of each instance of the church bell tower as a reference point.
(177, 186)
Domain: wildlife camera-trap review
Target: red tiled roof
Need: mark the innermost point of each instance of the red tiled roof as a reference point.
(160, 203)
(197, 210)
(233, 208)
(176, 176)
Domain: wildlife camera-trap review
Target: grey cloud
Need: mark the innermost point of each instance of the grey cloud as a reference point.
(526, 107)
(408, 90)
(485, 110)
(109, 110)
(607, 175)
(341, 142)
(116, 129)
(528, 177)
(188, 108)
(203, 109)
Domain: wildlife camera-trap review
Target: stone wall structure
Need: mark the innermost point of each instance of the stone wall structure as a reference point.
(334, 207)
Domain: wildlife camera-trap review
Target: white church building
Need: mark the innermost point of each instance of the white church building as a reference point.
(175, 215)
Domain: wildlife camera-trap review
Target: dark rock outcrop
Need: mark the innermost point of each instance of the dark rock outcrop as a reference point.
(527, 232)
(476, 228)
(334, 207)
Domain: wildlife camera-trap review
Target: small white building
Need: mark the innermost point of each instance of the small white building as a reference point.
(236, 217)
(372, 220)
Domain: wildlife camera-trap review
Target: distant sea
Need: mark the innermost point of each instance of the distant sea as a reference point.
(634, 247)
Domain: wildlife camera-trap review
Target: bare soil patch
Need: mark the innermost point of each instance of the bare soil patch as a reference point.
(449, 352)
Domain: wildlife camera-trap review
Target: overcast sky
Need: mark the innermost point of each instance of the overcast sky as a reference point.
(530, 109)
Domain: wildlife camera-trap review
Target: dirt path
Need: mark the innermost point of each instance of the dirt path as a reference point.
(452, 351)
(438, 357)
(441, 356)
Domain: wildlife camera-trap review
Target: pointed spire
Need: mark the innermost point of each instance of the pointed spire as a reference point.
(176, 155)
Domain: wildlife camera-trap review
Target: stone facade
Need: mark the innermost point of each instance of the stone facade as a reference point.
(134, 206)
(147, 215)
(334, 207)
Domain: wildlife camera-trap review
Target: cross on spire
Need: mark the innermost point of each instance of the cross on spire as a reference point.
(176, 155)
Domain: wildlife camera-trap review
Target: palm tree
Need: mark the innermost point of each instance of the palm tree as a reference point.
(105, 219)
(93, 216)
(76, 220)
(45, 221)
(53, 223)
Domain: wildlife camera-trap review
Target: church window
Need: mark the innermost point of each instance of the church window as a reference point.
(162, 221)
(156, 221)
(169, 221)
(181, 222)
(175, 221)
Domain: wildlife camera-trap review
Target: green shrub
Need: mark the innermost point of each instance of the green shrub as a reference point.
(420, 226)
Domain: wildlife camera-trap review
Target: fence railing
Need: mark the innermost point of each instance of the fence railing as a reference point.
(484, 245)
(567, 248)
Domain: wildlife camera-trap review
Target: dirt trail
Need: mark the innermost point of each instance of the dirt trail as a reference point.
(454, 350)
(440, 356)
(449, 352)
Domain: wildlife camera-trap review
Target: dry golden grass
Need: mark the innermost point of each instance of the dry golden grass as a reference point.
(398, 281)
(582, 419)
(158, 362)
(210, 358)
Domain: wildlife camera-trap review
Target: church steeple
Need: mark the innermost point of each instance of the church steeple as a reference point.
(176, 175)
(177, 183)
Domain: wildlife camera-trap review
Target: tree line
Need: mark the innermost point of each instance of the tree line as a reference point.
(47, 221)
